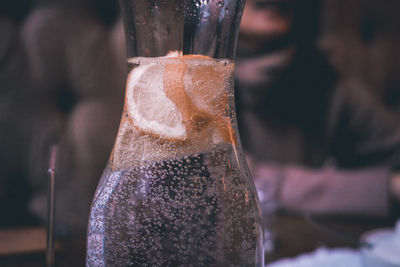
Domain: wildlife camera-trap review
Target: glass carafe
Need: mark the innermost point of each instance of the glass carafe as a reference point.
(177, 190)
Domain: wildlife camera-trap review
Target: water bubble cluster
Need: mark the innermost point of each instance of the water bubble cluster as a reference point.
(174, 212)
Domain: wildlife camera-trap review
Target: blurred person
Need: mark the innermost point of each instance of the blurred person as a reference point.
(319, 143)
(76, 64)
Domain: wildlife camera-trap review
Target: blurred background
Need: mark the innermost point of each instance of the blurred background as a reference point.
(325, 143)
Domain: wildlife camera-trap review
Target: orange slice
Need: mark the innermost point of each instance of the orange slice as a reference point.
(176, 97)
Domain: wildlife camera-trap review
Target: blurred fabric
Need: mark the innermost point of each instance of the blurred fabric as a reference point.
(77, 64)
(62, 76)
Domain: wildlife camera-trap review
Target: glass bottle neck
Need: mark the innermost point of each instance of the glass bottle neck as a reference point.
(179, 94)
(153, 28)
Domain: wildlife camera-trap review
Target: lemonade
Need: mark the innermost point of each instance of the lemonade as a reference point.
(175, 191)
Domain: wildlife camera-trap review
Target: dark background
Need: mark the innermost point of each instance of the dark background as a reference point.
(360, 37)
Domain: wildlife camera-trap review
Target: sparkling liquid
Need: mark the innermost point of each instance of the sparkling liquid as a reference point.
(181, 200)
(197, 210)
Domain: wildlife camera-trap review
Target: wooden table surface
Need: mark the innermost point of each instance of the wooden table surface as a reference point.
(295, 235)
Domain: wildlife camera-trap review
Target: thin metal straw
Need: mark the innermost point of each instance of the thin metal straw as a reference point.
(51, 207)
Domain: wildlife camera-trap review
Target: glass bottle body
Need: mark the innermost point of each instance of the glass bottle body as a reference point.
(176, 190)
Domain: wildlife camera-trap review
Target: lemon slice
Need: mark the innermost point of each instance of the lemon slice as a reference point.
(148, 106)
